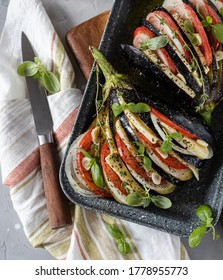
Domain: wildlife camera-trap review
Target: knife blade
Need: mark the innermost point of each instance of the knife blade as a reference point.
(57, 205)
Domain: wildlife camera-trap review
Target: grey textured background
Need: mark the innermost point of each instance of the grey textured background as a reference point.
(14, 245)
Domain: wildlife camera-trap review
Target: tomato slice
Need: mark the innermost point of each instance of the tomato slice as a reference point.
(215, 20)
(167, 121)
(186, 12)
(130, 160)
(155, 17)
(206, 10)
(141, 34)
(111, 175)
(85, 144)
(169, 161)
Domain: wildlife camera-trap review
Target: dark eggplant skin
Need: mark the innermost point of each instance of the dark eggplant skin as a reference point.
(134, 139)
(176, 59)
(188, 121)
(216, 88)
(168, 111)
(214, 68)
(138, 61)
(207, 88)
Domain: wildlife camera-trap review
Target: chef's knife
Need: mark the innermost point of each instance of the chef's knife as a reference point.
(57, 205)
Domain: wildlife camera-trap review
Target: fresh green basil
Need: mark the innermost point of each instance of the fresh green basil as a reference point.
(36, 70)
(85, 153)
(138, 108)
(123, 246)
(196, 236)
(141, 153)
(27, 69)
(95, 168)
(97, 175)
(167, 145)
(161, 201)
(204, 213)
(188, 26)
(117, 109)
(134, 199)
(50, 81)
(221, 11)
(144, 200)
(195, 41)
(154, 44)
(147, 163)
(141, 149)
(217, 31)
(157, 43)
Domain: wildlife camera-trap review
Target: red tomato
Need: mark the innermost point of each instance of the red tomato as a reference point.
(169, 161)
(141, 34)
(167, 121)
(152, 17)
(111, 175)
(206, 10)
(130, 160)
(85, 144)
(186, 12)
(215, 20)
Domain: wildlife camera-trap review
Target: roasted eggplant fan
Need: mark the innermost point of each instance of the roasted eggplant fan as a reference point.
(180, 44)
(137, 149)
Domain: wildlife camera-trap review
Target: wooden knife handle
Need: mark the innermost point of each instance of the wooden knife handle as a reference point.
(57, 204)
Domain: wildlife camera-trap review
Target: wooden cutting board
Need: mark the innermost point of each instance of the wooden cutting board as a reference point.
(87, 34)
(82, 36)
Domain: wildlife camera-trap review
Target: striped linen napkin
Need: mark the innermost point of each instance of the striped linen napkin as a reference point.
(88, 237)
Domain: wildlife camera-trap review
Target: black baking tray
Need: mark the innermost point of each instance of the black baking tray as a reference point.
(180, 219)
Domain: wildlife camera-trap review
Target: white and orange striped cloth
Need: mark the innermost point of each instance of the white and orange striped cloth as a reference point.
(88, 237)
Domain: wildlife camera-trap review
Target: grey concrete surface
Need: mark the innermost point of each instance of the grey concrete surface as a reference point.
(13, 243)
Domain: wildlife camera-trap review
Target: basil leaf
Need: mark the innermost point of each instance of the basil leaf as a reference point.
(161, 201)
(166, 147)
(204, 212)
(117, 109)
(138, 108)
(85, 153)
(147, 162)
(221, 11)
(204, 23)
(157, 43)
(188, 26)
(176, 135)
(115, 231)
(146, 202)
(50, 81)
(123, 247)
(38, 61)
(97, 175)
(36, 76)
(132, 107)
(27, 69)
(142, 108)
(196, 236)
(209, 221)
(209, 20)
(217, 31)
(141, 149)
(134, 199)
(194, 40)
